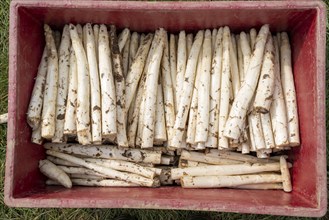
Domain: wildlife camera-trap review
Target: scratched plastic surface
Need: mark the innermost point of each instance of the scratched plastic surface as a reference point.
(303, 20)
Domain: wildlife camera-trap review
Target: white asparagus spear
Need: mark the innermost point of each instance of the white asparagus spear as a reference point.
(201, 133)
(253, 36)
(173, 64)
(78, 181)
(168, 92)
(160, 133)
(189, 42)
(240, 58)
(141, 39)
(51, 182)
(228, 181)
(213, 40)
(105, 183)
(289, 91)
(136, 139)
(61, 162)
(125, 166)
(149, 166)
(184, 145)
(125, 57)
(251, 134)
(181, 117)
(70, 125)
(134, 120)
(286, 180)
(62, 88)
(234, 45)
(257, 130)
(265, 88)
(246, 53)
(120, 90)
(235, 122)
(108, 96)
(267, 130)
(36, 136)
(140, 126)
(234, 66)
(122, 38)
(191, 163)
(133, 48)
(278, 107)
(50, 92)
(216, 70)
(224, 170)
(248, 40)
(85, 177)
(151, 91)
(237, 156)
(80, 170)
(261, 186)
(278, 37)
(108, 152)
(201, 157)
(35, 107)
(83, 93)
(96, 37)
(57, 38)
(84, 37)
(136, 69)
(181, 66)
(80, 31)
(193, 112)
(95, 105)
(53, 172)
(103, 170)
(139, 135)
(225, 89)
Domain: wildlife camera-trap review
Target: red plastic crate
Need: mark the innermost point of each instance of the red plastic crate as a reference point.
(303, 20)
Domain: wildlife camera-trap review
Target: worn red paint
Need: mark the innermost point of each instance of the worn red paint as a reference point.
(305, 22)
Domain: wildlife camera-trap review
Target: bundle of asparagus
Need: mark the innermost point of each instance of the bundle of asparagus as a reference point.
(100, 166)
(230, 169)
(180, 93)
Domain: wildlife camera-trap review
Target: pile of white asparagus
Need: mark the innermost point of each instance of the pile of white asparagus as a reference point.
(68, 164)
(91, 165)
(213, 93)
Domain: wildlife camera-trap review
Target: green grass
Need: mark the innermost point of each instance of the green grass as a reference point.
(54, 214)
